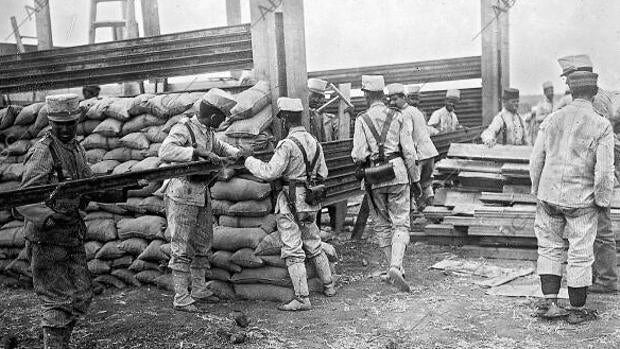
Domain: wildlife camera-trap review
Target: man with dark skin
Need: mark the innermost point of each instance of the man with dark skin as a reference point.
(444, 120)
(507, 126)
(91, 91)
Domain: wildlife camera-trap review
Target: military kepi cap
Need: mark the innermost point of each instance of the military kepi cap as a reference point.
(290, 104)
(574, 63)
(412, 89)
(317, 85)
(547, 84)
(453, 94)
(373, 83)
(219, 99)
(394, 89)
(63, 108)
(580, 79)
(510, 93)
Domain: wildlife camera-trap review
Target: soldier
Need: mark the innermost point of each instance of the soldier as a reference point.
(55, 230)
(412, 92)
(91, 91)
(444, 120)
(605, 260)
(383, 145)
(300, 163)
(324, 126)
(507, 127)
(540, 112)
(571, 169)
(188, 203)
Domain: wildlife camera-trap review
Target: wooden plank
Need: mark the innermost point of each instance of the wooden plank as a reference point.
(443, 230)
(527, 254)
(439, 240)
(513, 242)
(507, 198)
(461, 221)
(233, 12)
(362, 219)
(525, 231)
(516, 170)
(488, 221)
(457, 165)
(491, 181)
(502, 153)
(43, 25)
(514, 188)
(344, 118)
(455, 197)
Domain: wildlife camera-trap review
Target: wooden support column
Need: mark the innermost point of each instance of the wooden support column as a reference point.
(44, 25)
(18, 36)
(150, 18)
(233, 12)
(295, 54)
(495, 56)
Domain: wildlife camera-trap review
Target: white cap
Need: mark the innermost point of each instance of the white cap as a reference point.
(317, 85)
(373, 83)
(412, 89)
(220, 99)
(456, 94)
(393, 89)
(573, 63)
(290, 104)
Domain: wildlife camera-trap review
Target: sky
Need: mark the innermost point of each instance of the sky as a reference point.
(354, 33)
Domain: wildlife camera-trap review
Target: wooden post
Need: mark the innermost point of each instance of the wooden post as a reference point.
(44, 25)
(132, 31)
(495, 57)
(362, 219)
(233, 12)
(18, 36)
(150, 18)
(344, 118)
(93, 18)
(295, 54)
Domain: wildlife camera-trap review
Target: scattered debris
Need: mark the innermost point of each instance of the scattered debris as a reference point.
(495, 275)
(530, 290)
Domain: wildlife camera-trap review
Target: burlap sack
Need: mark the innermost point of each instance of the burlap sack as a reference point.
(124, 154)
(122, 262)
(104, 167)
(153, 205)
(251, 101)
(137, 123)
(133, 246)
(28, 114)
(139, 265)
(8, 115)
(135, 140)
(240, 189)
(110, 281)
(86, 127)
(109, 128)
(270, 245)
(149, 163)
(19, 147)
(97, 108)
(12, 172)
(93, 156)
(126, 276)
(102, 230)
(153, 252)
(167, 105)
(12, 234)
(246, 258)
(232, 239)
(99, 267)
(145, 227)
(218, 274)
(124, 167)
(264, 292)
(110, 250)
(132, 205)
(251, 208)
(92, 247)
(253, 126)
(223, 290)
(148, 276)
(154, 134)
(153, 150)
(95, 141)
(221, 259)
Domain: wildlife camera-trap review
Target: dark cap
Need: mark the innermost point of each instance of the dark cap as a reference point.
(510, 93)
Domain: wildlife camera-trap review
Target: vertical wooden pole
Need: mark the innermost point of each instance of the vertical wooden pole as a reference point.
(295, 52)
(233, 12)
(44, 25)
(495, 57)
(344, 118)
(132, 31)
(93, 19)
(18, 36)
(150, 18)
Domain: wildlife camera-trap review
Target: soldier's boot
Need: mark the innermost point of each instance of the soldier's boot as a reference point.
(387, 251)
(183, 301)
(54, 338)
(297, 272)
(395, 273)
(325, 274)
(200, 292)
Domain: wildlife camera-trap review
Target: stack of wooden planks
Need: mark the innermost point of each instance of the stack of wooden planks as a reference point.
(485, 203)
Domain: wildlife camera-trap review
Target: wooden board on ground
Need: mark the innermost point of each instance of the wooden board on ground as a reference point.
(526, 231)
(490, 181)
(516, 170)
(507, 198)
(440, 240)
(503, 241)
(443, 230)
(502, 153)
(457, 165)
(526, 254)
(515, 188)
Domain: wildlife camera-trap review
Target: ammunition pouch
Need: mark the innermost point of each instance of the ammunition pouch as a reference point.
(380, 173)
(315, 194)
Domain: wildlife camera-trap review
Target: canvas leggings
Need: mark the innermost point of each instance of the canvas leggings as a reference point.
(299, 241)
(389, 209)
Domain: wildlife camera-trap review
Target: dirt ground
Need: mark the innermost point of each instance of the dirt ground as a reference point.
(443, 311)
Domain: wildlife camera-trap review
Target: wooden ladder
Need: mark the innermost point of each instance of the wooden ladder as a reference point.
(126, 28)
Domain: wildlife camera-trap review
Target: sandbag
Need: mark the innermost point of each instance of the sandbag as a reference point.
(140, 122)
(218, 274)
(135, 140)
(15, 133)
(145, 227)
(221, 259)
(240, 189)
(8, 186)
(253, 126)
(122, 262)
(110, 250)
(136, 107)
(155, 134)
(12, 234)
(226, 174)
(232, 239)
(221, 289)
(123, 154)
(5, 216)
(251, 208)
(139, 265)
(102, 215)
(246, 258)
(133, 205)
(19, 147)
(111, 281)
(94, 141)
(274, 261)
(28, 114)
(104, 167)
(97, 108)
(164, 281)
(149, 163)
(153, 252)
(102, 230)
(133, 246)
(330, 252)
(149, 190)
(126, 276)
(124, 167)
(263, 292)
(167, 105)
(112, 208)
(148, 276)
(98, 267)
(166, 249)
(95, 155)
(221, 207)
(19, 267)
(118, 109)
(262, 275)
(40, 123)
(9, 253)
(86, 127)
(92, 247)
(153, 205)
(12, 172)
(171, 122)
(270, 245)
(8, 115)
(251, 101)
(109, 128)
(153, 150)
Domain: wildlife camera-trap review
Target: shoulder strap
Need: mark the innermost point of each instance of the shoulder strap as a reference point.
(309, 166)
(57, 165)
(191, 135)
(384, 130)
(504, 129)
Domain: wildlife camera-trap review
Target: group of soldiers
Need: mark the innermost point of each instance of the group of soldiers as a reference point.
(571, 168)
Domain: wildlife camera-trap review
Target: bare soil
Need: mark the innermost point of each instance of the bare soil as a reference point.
(442, 311)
